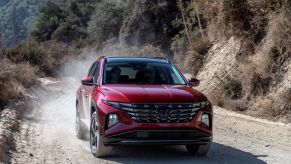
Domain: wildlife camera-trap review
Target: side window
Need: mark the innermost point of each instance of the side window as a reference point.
(96, 73)
(92, 69)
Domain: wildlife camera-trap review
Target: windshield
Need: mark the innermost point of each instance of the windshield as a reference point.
(142, 73)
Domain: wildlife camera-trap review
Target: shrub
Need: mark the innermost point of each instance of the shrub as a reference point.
(67, 33)
(286, 97)
(235, 105)
(45, 56)
(196, 55)
(64, 22)
(226, 18)
(233, 89)
(14, 78)
(51, 15)
(275, 106)
(229, 92)
(106, 21)
(236, 17)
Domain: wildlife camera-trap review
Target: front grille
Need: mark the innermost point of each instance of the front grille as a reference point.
(162, 113)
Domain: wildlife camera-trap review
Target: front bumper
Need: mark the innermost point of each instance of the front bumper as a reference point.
(157, 137)
(129, 132)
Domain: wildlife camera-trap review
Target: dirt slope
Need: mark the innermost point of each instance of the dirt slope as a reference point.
(247, 84)
(47, 136)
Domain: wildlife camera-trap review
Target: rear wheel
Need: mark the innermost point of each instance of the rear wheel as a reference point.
(80, 127)
(98, 149)
(201, 150)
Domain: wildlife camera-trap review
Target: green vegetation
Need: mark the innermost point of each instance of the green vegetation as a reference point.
(64, 22)
(107, 20)
(16, 19)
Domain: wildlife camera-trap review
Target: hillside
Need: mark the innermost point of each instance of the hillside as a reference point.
(248, 68)
(17, 18)
(239, 49)
(3, 2)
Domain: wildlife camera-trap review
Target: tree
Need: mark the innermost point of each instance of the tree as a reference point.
(49, 19)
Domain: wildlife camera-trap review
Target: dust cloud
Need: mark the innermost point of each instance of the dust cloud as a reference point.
(57, 108)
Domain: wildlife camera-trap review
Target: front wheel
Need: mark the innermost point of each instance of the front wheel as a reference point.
(201, 150)
(98, 149)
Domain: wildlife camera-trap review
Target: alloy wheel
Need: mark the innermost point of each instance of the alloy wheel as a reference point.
(94, 133)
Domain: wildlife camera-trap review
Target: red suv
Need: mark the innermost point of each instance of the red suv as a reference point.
(141, 101)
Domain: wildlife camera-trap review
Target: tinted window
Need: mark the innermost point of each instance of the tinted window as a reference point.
(141, 73)
(92, 69)
(96, 73)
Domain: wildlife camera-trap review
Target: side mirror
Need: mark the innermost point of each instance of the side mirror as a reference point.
(194, 82)
(88, 81)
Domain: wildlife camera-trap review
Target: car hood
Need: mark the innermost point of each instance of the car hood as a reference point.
(151, 93)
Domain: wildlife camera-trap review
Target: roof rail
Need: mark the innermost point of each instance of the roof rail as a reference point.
(163, 58)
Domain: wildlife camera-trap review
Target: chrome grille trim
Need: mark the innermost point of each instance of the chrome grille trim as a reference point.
(162, 113)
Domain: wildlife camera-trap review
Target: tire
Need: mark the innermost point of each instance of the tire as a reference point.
(80, 128)
(200, 150)
(98, 149)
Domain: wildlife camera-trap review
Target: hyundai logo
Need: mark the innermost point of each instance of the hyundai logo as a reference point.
(163, 111)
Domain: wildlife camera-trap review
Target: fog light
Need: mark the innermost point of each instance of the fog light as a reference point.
(205, 119)
(112, 119)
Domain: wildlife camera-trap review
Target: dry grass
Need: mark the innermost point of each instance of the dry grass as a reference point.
(196, 54)
(265, 105)
(240, 17)
(21, 65)
(280, 31)
(262, 11)
(282, 104)
(226, 18)
(46, 56)
(286, 98)
(233, 89)
(14, 78)
(236, 16)
(275, 106)
(230, 94)
(235, 105)
(263, 7)
(247, 71)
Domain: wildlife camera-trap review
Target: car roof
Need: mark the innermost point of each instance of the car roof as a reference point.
(136, 59)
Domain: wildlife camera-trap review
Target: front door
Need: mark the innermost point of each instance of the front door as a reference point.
(87, 90)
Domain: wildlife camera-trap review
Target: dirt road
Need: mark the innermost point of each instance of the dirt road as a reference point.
(47, 136)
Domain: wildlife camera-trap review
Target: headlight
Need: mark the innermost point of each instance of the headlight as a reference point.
(112, 119)
(204, 104)
(118, 105)
(199, 105)
(205, 119)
